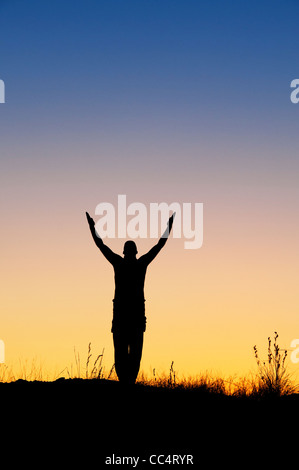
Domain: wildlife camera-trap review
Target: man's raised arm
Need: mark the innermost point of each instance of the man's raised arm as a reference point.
(151, 254)
(107, 252)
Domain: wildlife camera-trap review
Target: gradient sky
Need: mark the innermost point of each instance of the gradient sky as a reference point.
(164, 100)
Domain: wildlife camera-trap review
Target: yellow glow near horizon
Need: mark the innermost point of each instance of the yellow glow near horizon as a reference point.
(206, 308)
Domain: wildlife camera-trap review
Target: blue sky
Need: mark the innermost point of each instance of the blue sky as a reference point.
(202, 83)
(187, 87)
(108, 65)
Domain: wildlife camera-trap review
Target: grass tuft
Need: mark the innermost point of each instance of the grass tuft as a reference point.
(273, 377)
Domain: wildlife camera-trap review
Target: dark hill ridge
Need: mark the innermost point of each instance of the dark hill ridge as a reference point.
(101, 417)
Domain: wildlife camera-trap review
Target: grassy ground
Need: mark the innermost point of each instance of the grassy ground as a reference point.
(82, 421)
(100, 417)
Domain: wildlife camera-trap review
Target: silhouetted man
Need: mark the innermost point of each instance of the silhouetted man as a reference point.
(129, 321)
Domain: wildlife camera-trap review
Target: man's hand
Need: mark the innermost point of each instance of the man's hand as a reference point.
(170, 222)
(168, 228)
(89, 220)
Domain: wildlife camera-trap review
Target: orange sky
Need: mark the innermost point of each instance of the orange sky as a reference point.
(206, 308)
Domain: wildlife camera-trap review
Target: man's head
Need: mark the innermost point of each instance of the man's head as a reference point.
(130, 249)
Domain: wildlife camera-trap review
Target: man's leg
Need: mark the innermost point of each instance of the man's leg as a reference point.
(121, 357)
(135, 353)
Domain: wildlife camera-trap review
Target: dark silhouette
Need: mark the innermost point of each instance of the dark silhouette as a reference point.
(129, 320)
